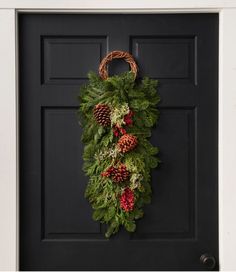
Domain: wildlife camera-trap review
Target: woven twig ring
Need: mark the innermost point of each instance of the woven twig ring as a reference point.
(103, 67)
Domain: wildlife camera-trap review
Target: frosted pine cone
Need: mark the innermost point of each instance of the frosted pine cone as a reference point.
(127, 142)
(102, 114)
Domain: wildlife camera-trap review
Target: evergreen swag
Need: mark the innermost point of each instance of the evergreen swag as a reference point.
(117, 115)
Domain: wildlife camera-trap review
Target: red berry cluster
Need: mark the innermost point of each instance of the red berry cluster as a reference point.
(127, 200)
(128, 118)
(118, 174)
(118, 130)
(128, 121)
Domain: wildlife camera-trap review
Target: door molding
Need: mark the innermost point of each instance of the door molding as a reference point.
(9, 178)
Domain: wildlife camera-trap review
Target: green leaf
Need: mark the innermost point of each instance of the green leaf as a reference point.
(153, 162)
(130, 226)
(138, 214)
(98, 214)
(101, 130)
(139, 104)
(113, 228)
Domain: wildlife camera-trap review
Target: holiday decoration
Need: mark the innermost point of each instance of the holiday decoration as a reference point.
(127, 200)
(127, 142)
(118, 174)
(102, 113)
(117, 115)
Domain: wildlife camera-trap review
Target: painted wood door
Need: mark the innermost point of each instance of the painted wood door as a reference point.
(181, 224)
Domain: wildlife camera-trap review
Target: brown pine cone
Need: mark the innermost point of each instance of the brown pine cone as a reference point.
(127, 142)
(102, 114)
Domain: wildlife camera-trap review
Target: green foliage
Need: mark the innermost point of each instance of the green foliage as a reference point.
(102, 193)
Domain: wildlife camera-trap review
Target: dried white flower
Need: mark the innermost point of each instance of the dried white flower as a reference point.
(117, 115)
(135, 180)
(111, 152)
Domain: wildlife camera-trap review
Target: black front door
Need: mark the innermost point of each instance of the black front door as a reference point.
(181, 224)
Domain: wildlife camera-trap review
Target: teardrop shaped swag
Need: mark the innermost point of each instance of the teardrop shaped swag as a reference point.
(117, 115)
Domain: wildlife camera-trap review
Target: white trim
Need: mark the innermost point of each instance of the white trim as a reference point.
(120, 11)
(121, 4)
(227, 140)
(8, 159)
(8, 107)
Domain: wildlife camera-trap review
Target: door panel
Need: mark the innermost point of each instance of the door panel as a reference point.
(63, 209)
(56, 228)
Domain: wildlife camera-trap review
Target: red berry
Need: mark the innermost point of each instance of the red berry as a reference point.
(128, 118)
(127, 200)
(115, 131)
(122, 131)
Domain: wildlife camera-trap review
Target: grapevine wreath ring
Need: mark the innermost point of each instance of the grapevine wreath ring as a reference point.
(117, 114)
(103, 71)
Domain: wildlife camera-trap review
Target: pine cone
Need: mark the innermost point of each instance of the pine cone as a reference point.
(102, 114)
(127, 142)
(127, 200)
(118, 174)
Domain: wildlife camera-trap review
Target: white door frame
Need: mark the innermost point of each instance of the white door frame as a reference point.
(9, 178)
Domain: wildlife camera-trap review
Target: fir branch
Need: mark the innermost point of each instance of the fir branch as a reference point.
(120, 93)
